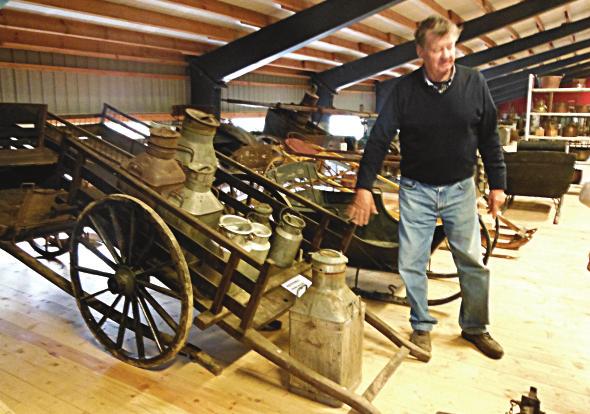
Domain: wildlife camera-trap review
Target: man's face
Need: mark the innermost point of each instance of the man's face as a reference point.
(438, 55)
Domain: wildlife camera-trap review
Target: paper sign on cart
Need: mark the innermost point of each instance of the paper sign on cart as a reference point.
(297, 285)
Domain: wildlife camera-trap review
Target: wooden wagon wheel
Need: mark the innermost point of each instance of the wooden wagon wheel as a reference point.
(51, 245)
(131, 281)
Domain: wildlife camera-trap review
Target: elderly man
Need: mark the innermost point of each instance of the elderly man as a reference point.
(444, 113)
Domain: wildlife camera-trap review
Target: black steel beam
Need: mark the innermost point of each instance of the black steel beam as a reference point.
(271, 42)
(516, 91)
(360, 69)
(577, 71)
(520, 91)
(538, 70)
(525, 43)
(515, 65)
(523, 80)
(205, 93)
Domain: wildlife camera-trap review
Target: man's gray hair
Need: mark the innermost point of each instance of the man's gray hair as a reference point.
(438, 25)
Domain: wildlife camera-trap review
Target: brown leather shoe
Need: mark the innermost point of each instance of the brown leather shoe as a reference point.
(421, 339)
(486, 344)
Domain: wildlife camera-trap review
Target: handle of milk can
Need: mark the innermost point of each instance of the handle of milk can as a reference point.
(352, 307)
(177, 196)
(286, 210)
(184, 148)
(209, 117)
(135, 168)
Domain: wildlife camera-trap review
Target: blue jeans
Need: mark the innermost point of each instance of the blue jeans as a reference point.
(420, 205)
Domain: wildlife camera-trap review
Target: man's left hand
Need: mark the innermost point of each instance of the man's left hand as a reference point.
(495, 200)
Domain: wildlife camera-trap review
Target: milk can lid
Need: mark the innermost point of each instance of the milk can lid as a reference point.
(328, 256)
(202, 117)
(263, 208)
(163, 132)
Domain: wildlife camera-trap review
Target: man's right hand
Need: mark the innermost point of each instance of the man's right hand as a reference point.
(361, 208)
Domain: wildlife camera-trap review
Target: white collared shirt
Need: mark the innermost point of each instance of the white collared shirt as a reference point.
(440, 87)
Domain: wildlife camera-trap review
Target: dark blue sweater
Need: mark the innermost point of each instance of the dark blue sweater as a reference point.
(439, 133)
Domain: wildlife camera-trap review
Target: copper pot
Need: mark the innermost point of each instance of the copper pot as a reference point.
(570, 130)
(550, 81)
(582, 154)
(579, 82)
(551, 130)
(582, 108)
(560, 107)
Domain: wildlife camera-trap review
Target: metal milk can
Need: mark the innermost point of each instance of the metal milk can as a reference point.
(236, 228)
(287, 239)
(261, 214)
(258, 246)
(157, 166)
(252, 237)
(197, 198)
(326, 327)
(196, 142)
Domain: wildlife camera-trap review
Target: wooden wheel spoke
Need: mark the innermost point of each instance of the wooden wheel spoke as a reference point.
(159, 289)
(119, 239)
(123, 324)
(92, 271)
(110, 311)
(154, 269)
(131, 235)
(138, 329)
(151, 323)
(147, 247)
(93, 295)
(98, 254)
(158, 308)
(103, 235)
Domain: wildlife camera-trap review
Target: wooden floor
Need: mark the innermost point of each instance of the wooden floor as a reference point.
(540, 308)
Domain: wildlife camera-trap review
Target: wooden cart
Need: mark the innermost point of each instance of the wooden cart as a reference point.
(140, 265)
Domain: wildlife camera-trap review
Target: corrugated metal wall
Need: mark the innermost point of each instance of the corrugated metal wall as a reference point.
(286, 90)
(84, 93)
(70, 92)
(354, 100)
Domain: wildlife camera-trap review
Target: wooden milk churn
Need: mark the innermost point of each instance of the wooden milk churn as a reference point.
(326, 327)
(196, 142)
(287, 239)
(197, 198)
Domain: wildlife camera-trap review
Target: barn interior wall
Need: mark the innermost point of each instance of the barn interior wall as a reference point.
(80, 85)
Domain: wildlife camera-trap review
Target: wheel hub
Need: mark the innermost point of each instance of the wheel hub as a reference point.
(123, 282)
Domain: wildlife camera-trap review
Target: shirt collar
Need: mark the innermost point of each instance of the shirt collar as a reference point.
(439, 87)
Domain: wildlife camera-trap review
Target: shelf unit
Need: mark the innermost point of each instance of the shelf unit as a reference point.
(531, 89)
